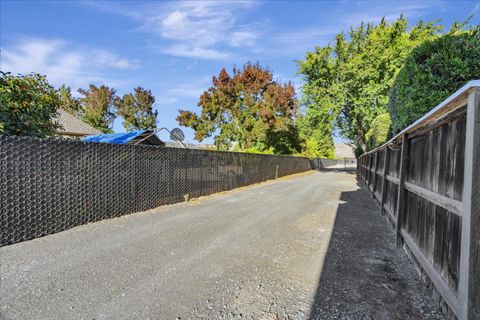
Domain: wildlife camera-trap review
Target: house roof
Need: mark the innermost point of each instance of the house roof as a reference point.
(141, 136)
(74, 126)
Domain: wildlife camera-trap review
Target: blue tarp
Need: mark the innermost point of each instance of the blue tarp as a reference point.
(119, 138)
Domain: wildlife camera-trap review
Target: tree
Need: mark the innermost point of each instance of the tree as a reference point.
(67, 101)
(28, 105)
(347, 85)
(316, 136)
(434, 71)
(379, 131)
(97, 107)
(249, 109)
(137, 110)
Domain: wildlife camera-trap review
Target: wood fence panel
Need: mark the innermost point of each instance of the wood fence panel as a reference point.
(391, 200)
(395, 162)
(437, 159)
(381, 156)
(437, 233)
(431, 186)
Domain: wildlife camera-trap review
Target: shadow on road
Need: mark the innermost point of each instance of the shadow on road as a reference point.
(365, 276)
(352, 170)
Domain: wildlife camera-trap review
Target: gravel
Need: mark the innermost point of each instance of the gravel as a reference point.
(254, 253)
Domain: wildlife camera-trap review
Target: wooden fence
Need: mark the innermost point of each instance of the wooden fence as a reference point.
(427, 181)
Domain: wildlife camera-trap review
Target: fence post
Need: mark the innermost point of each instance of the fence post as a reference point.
(386, 165)
(401, 188)
(375, 175)
(469, 281)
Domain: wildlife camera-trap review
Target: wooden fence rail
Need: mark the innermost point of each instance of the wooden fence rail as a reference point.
(427, 182)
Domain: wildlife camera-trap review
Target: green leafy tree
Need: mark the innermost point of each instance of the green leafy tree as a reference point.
(28, 105)
(434, 71)
(137, 110)
(347, 84)
(67, 101)
(97, 107)
(379, 131)
(248, 109)
(315, 133)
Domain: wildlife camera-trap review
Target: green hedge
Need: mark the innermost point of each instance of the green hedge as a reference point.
(433, 72)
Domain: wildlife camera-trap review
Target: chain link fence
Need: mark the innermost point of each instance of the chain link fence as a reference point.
(50, 185)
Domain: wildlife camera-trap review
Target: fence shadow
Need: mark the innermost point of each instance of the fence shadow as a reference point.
(365, 276)
(351, 170)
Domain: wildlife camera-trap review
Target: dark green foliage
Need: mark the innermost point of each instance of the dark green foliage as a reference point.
(28, 105)
(358, 152)
(137, 110)
(284, 141)
(433, 72)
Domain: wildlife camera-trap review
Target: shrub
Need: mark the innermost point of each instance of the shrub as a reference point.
(432, 72)
(28, 105)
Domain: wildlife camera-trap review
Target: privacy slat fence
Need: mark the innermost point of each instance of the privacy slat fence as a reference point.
(426, 180)
(50, 185)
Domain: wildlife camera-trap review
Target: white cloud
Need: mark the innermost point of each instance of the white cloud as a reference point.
(184, 50)
(173, 93)
(192, 89)
(175, 24)
(61, 62)
(166, 100)
(243, 38)
(215, 29)
(109, 60)
(197, 29)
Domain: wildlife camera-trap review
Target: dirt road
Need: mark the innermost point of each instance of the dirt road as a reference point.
(255, 253)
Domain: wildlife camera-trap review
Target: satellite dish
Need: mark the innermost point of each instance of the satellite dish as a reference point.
(177, 135)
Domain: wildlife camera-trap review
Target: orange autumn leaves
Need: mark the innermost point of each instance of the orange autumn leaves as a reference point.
(248, 109)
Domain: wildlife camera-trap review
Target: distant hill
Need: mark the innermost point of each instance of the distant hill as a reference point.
(344, 150)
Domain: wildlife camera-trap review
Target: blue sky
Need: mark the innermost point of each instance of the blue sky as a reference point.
(174, 48)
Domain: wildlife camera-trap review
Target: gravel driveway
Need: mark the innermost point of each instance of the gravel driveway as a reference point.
(254, 253)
